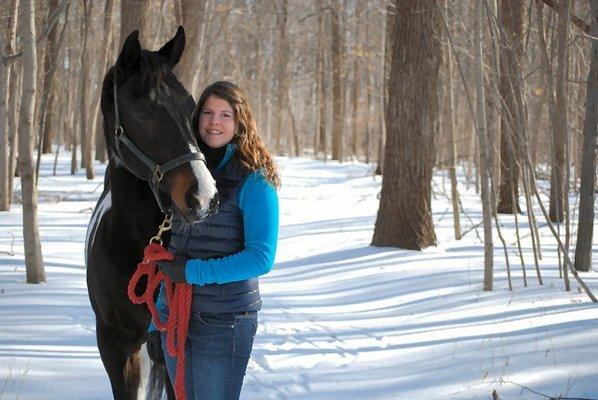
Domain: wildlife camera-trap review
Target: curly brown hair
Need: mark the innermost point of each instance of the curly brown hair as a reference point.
(252, 152)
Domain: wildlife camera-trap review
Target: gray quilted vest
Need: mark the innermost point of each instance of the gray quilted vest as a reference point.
(218, 236)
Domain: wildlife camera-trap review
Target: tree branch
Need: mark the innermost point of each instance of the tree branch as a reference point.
(7, 60)
(575, 20)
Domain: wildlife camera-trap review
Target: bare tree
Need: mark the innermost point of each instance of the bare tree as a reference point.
(4, 143)
(85, 126)
(133, 16)
(357, 46)
(320, 137)
(404, 218)
(449, 128)
(337, 71)
(338, 109)
(511, 14)
(583, 249)
(559, 131)
(12, 97)
(383, 94)
(484, 165)
(33, 255)
(193, 20)
(51, 57)
(104, 60)
(281, 76)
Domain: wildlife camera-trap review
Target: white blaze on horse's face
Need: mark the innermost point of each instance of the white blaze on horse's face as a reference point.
(206, 195)
(193, 190)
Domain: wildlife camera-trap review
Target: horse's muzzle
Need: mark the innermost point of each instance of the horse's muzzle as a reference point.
(197, 211)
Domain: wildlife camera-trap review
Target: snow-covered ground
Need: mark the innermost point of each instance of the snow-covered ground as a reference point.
(341, 320)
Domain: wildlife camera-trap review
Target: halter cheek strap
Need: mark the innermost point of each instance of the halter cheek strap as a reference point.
(155, 171)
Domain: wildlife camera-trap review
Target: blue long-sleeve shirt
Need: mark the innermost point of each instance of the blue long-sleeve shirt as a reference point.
(258, 201)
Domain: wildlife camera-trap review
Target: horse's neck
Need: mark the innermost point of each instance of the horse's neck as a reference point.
(134, 207)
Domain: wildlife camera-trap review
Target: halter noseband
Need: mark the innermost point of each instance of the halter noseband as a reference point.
(157, 171)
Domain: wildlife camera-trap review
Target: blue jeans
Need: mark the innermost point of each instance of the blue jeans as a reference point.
(217, 352)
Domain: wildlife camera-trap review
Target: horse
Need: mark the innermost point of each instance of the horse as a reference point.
(155, 167)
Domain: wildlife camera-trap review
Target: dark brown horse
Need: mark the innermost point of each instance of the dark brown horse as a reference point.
(155, 167)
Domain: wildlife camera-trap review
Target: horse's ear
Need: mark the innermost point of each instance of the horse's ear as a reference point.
(130, 54)
(173, 49)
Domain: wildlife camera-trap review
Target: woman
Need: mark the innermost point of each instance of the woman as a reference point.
(223, 256)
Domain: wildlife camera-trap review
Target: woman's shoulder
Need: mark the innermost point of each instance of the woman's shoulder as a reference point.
(257, 187)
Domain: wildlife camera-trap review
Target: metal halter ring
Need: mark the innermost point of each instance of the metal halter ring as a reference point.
(158, 175)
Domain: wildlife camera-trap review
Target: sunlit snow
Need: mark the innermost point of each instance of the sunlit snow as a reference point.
(341, 319)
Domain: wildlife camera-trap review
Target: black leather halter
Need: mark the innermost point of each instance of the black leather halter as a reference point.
(156, 171)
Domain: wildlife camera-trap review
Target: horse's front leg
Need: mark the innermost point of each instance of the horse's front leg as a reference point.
(121, 364)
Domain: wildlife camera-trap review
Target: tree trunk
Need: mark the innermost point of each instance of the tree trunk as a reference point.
(104, 61)
(33, 255)
(559, 132)
(450, 133)
(4, 103)
(321, 88)
(337, 75)
(51, 58)
(368, 89)
(14, 88)
(4, 77)
(50, 63)
(320, 131)
(383, 95)
(70, 115)
(583, 249)
(484, 164)
(404, 218)
(133, 16)
(192, 14)
(356, 121)
(511, 15)
(84, 110)
(281, 79)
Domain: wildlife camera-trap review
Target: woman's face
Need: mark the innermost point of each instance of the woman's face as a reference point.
(216, 122)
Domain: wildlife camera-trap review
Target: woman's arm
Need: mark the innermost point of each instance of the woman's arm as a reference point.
(258, 202)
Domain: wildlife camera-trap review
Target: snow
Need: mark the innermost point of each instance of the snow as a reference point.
(341, 319)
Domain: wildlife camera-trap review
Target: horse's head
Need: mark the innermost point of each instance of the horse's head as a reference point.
(147, 122)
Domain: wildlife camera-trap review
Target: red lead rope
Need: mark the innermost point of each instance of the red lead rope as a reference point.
(178, 298)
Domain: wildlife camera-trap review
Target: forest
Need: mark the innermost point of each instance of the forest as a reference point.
(498, 97)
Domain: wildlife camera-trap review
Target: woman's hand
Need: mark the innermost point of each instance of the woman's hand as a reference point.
(174, 269)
